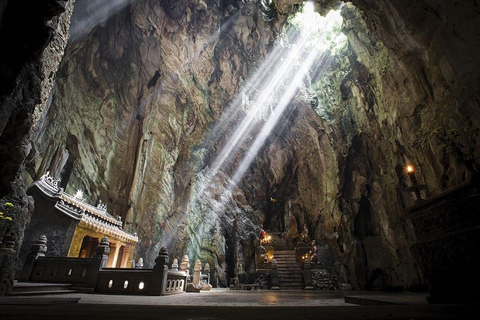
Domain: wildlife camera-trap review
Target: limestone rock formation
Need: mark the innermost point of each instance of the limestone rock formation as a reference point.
(33, 40)
(137, 98)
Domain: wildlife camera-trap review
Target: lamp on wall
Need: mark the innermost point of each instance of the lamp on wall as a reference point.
(415, 187)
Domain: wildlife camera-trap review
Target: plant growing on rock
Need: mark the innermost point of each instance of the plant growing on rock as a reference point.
(461, 145)
(7, 206)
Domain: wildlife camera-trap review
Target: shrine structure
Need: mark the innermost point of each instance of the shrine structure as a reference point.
(74, 227)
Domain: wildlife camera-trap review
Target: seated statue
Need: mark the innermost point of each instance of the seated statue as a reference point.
(304, 237)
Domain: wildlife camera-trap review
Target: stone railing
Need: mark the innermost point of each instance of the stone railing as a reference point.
(156, 281)
(78, 271)
(91, 272)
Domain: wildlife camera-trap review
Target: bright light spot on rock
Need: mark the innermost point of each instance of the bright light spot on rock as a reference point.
(324, 32)
(308, 7)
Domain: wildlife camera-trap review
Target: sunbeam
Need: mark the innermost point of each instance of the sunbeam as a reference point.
(248, 121)
(88, 14)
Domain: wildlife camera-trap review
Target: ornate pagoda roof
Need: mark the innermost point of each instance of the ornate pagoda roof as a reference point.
(94, 217)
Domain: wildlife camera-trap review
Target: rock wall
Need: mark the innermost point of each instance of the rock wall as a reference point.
(136, 99)
(33, 40)
(411, 101)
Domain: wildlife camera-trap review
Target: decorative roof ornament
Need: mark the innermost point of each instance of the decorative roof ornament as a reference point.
(79, 194)
(50, 181)
(101, 206)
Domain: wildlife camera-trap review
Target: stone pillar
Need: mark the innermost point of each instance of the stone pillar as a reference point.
(129, 260)
(76, 244)
(185, 265)
(99, 261)
(307, 275)
(38, 250)
(274, 275)
(159, 275)
(112, 257)
(123, 260)
(206, 272)
(197, 272)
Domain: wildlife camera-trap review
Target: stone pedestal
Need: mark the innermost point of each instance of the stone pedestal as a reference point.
(447, 229)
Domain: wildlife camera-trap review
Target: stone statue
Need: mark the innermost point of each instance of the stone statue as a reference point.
(313, 252)
(262, 233)
(174, 265)
(139, 264)
(305, 238)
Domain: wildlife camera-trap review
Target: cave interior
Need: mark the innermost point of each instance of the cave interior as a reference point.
(198, 121)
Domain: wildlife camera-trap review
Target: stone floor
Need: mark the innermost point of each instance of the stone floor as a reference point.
(228, 304)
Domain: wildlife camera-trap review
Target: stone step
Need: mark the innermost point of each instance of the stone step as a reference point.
(289, 271)
(38, 292)
(292, 287)
(20, 287)
(289, 267)
(291, 283)
(290, 279)
(286, 275)
(38, 288)
(285, 259)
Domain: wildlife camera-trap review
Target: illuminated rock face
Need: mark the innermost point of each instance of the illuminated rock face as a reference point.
(136, 99)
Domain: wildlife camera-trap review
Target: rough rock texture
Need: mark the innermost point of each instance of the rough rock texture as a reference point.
(411, 98)
(144, 89)
(34, 38)
(136, 99)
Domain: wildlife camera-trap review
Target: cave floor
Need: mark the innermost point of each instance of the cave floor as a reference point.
(230, 304)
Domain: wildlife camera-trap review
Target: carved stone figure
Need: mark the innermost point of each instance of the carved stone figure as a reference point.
(305, 238)
(174, 265)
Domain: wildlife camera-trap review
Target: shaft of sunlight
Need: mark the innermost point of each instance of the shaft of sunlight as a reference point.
(286, 67)
(274, 117)
(88, 14)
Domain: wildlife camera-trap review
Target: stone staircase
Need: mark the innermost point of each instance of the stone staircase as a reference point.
(36, 289)
(289, 272)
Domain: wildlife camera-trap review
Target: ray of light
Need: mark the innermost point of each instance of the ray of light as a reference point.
(274, 117)
(271, 81)
(251, 116)
(88, 14)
